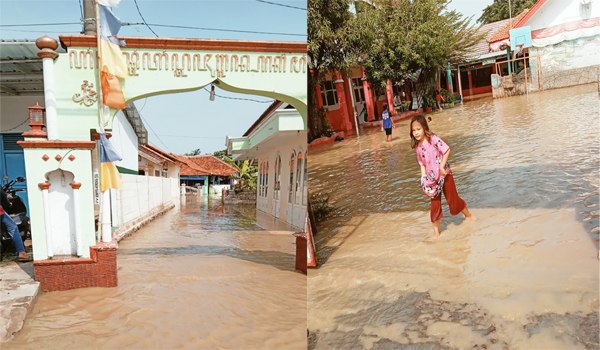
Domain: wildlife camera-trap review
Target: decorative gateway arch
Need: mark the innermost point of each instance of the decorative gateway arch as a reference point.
(60, 162)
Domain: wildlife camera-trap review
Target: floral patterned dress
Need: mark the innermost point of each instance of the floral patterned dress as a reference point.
(430, 154)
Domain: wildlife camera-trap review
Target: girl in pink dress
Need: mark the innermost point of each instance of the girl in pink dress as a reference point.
(436, 175)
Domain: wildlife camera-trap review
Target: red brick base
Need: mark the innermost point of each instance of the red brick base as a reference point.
(100, 270)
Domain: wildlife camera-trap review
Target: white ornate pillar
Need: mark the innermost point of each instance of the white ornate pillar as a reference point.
(75, 186)
(45, 186)
(47, 46)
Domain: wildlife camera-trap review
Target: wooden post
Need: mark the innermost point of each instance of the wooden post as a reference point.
(525, 68)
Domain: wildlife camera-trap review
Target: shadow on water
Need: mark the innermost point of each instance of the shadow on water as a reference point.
(280, 260)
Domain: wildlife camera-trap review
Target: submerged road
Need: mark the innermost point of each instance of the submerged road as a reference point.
(201, 276)
(524, 276)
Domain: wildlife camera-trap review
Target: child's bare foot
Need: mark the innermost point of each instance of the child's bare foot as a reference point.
(471, 218)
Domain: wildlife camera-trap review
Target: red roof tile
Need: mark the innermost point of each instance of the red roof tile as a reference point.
(213, 165)
(504, 32)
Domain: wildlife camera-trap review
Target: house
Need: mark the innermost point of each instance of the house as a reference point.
(565, 35)
(204, 171)
(278, 141)
(153, 161)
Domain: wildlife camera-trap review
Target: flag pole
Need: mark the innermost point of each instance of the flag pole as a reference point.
(105, 224)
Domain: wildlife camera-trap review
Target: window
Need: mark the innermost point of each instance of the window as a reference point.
(481, 77)
(464, 80)
(266, 179)
(359, 91)
(305, 186)
(291, 186)
(328, 93)
(277, 181)
(141, 172)
(156, 173)
(260, 180)
(299, 168)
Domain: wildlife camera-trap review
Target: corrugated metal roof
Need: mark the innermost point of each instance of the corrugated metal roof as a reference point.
(21, 68)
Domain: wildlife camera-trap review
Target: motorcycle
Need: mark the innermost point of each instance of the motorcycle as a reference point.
(17, 212)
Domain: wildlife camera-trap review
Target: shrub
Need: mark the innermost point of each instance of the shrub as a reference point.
(320, 205)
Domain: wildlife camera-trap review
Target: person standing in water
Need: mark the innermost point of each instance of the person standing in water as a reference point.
(436, 175)
(439, 98)
(386, 123)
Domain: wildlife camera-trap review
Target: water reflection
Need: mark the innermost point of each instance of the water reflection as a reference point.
(201, 277)
(524, 276)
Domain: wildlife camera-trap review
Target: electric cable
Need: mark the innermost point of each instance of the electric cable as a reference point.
(161, 141)
(274, 3)
(224, 30)
(37, 24)
(147, 25)
(238, 98)
(25, 121)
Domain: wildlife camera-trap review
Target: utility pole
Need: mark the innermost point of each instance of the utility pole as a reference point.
(89, 12)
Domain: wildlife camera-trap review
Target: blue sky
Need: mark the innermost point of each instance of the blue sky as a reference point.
(197, 122)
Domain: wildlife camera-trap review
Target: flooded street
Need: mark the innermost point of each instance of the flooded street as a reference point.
(524, 276)
(201, 276)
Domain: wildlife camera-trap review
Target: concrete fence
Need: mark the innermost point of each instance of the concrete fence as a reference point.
(142, 199)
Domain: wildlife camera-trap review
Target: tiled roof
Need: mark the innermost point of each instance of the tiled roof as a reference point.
(483, 46)
(504, 32)
(156, 154)
(204, 165)
(213, 165)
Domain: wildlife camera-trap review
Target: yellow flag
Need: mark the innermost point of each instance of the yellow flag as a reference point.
(112, 59)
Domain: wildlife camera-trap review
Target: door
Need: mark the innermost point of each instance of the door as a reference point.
(290, 195)
(12, 163)
(359, 98)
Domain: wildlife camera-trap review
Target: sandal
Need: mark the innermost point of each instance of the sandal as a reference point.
(25, 259)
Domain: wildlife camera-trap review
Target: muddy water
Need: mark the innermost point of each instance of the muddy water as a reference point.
(202, 277)
(524, 276)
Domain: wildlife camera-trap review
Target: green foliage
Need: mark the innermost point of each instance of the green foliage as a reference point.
(246, 175)
(221, 154)
(195, 152)
(402, 36)
(332, 46)
(448, 97)
(320, 205)
(499, 10)
(326, 130)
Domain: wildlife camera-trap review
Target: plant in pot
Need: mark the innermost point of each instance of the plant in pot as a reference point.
(429, 103)
(448, 97)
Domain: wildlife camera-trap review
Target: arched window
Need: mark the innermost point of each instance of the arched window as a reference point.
(277, 181)
(305, 186)
(266, 179)
(299, 167)
(291, 186)
(260, 179)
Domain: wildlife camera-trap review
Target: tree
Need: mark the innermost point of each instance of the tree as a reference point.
(246, 174)
(499, 10)
(332, 46)
(221, 154)
(195, 152)
(401, 37)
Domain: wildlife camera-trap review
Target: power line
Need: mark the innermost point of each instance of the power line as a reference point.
(238, 98)
(24, 121)
(225, 30)
(38, 31)
(194, 137)
(147, 25)
(145, 100)
(274, 3)
(161, 141)
(37, 24)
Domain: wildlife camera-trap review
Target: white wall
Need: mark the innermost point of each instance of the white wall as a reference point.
(13, 111)
(297, 143)
(557, 12)
(125, 142)
(62, 219)
(140, 195)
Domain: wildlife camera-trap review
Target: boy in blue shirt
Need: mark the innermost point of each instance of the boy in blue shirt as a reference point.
(386, 123)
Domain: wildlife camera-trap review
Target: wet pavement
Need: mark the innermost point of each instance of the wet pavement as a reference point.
(201, 276)
(524, 276)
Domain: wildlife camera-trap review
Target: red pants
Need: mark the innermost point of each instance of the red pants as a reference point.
(455, 203)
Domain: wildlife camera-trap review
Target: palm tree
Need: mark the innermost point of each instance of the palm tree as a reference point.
(246, 174)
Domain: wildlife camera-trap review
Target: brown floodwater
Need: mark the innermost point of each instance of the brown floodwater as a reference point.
(201, 276)
(524, 276)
